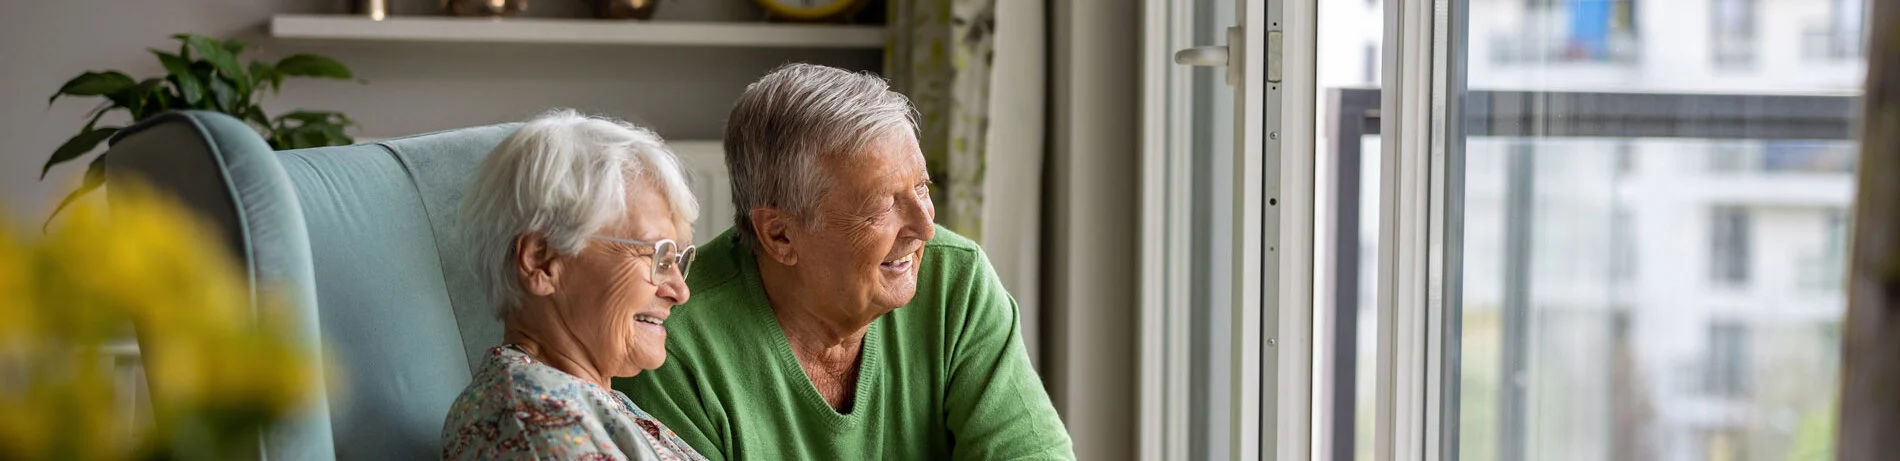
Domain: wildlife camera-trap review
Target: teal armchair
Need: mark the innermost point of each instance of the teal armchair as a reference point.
(361, 241)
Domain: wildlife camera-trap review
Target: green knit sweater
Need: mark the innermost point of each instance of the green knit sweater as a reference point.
(944, 377)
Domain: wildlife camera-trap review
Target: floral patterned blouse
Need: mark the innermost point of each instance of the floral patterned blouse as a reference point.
(519, 408)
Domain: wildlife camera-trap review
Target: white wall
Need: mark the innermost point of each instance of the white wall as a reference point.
(684, 93)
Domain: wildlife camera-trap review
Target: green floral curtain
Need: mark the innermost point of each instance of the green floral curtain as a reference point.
(939, 54)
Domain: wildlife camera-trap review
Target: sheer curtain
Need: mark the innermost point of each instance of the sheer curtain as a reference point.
(975, 70)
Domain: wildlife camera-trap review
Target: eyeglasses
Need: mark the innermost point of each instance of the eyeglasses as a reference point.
(666, 255)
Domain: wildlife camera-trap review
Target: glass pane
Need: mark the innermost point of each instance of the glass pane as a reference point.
(1210, 325)
(1655, 203)
(1347, 240)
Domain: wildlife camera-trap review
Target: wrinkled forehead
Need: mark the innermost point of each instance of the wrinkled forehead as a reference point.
(893, 155)
(884, 165)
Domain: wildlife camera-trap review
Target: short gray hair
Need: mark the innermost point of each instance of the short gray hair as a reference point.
(785, 122)
(565, 175)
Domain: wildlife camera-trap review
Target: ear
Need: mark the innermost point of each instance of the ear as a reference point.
(773, 226)
(536, 268)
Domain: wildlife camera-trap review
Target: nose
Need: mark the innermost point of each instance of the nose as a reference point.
(918, 215)
(673, 289)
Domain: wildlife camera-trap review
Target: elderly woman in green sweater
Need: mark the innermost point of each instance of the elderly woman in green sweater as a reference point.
(834, 321)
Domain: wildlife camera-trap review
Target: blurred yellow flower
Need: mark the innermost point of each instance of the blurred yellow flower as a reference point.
(218, 370)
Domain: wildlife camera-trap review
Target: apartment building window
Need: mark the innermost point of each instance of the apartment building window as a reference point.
(1823, 270)
(1730, 157)
(1840, 36)
(1571, 31)
(1808, 157)
(1727, 360)
(1728, 252)
(1733, 24)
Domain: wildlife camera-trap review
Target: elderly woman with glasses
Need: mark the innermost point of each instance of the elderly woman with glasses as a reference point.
(575, 224)
(834, 321)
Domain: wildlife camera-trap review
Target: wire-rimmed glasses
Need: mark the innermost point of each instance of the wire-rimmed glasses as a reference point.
(674, 256)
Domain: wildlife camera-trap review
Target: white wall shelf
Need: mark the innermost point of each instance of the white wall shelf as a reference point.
(575, 31)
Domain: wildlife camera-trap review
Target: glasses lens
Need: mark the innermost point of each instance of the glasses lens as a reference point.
(686, 259)
(664, 258)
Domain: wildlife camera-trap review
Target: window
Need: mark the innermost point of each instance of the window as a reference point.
(1630, 238)
(1805, 156)
(1728, 250)
(1570, 31)
(1636, 261)
(1820, 266)
(1726, 352)
(1838, 37)
(1734, 33)
(1796, 156)
(1731, 158)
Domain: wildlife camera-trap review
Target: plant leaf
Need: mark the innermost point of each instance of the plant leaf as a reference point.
(305, 137)
(262, 73)
(257, 117)
(235, 46)
(79, 145)
(96, 115)
(157, 98)
(214, 52)
(131, 100)
(189, 86)
(310, 65)
(95, 177)
(142, 99)
(333, 135)
(223, 95)
(162, 99)
(100, 111)
(93, 84)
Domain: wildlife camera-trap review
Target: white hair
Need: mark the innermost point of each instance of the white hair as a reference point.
(790, 118)
(565, 176)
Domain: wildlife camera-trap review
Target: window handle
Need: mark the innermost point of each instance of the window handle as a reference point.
(1228, 55)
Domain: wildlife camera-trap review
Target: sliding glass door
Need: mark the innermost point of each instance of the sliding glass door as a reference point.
(1655, 227)
(1605, 229)
(1497, 229)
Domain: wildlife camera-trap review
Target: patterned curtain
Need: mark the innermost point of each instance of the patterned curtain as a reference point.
(939, 54)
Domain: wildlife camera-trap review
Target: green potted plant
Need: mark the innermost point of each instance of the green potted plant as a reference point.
(204, 74)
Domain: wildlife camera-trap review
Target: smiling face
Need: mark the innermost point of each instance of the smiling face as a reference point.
(872, 223)
(605, 299)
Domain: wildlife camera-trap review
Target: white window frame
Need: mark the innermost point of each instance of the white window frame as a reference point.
(1273, 208)
(1295, 60)
(1420, 226)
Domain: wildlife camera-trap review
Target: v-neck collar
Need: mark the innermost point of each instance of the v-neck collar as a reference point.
(787, 361)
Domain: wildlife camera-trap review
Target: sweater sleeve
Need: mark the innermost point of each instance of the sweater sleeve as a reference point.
(996, 407)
